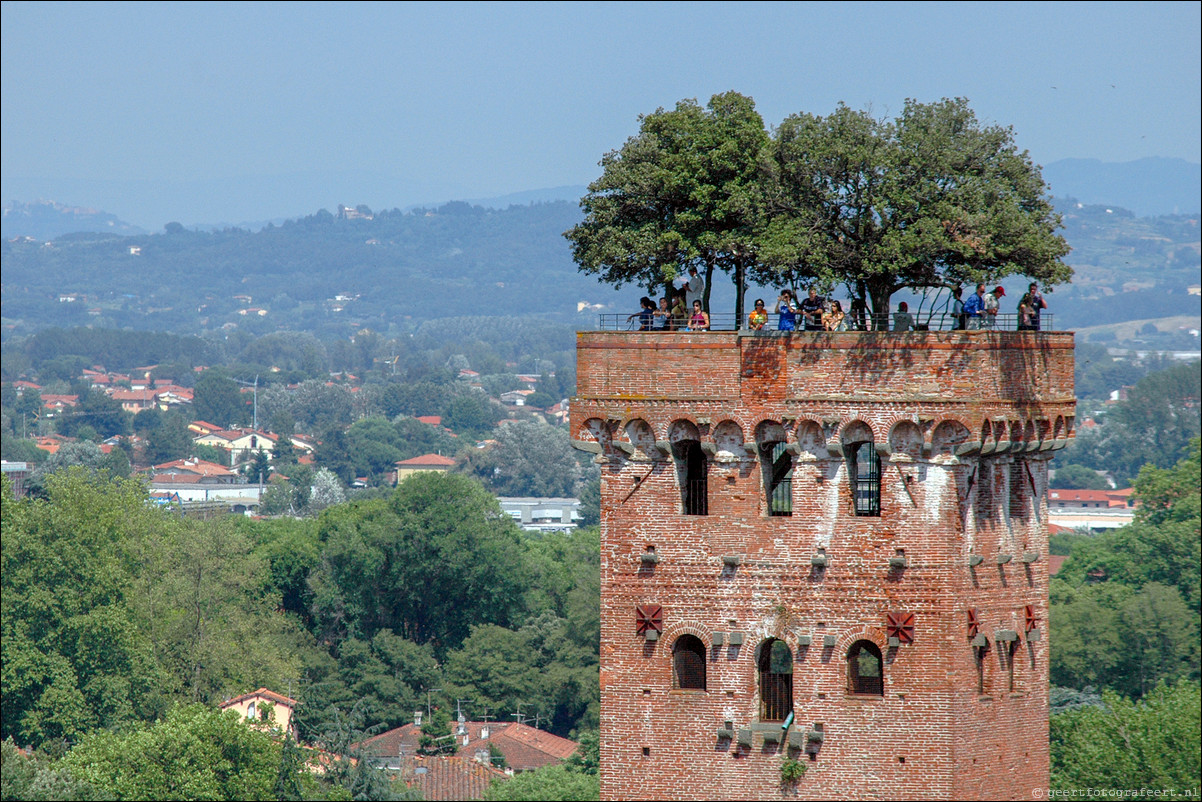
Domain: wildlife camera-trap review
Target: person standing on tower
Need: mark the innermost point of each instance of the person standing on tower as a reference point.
(991, 306)
(694, 289)
(812, 309)
(788, 315)
(1034, 299)
(974, 308)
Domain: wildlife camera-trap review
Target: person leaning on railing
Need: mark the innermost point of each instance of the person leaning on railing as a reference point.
(758, 317)
(645, 315)
(974, 309)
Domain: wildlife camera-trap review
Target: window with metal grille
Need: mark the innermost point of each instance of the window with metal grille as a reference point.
(688, 663)
(776, 680)
(865, 669)
(778, 477)
(693, 468)
(864, 473)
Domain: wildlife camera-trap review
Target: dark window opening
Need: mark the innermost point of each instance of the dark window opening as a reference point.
(778, 478)
(694, 484)
(1018, 491)
(864, 474)
(981, 652)
(776, 680)
(688, 663)
(1011, 653)
(865, 669)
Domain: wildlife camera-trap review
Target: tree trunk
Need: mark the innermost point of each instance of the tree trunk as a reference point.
(740, 281)
(879, 292)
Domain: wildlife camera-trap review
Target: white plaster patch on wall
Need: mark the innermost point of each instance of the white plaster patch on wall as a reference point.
(934, 491)
(830, 506)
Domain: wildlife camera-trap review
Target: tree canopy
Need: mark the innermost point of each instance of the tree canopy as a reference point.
(680, 193)
(933, 198)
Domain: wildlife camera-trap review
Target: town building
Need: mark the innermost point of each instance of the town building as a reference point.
(522, 747)
(265, 707)
(542, 514)
(828, 548)
(426, 462)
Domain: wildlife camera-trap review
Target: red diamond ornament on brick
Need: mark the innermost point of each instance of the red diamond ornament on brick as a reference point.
(974, 622)
(648, 616)
(900, 626)
(1032, 620)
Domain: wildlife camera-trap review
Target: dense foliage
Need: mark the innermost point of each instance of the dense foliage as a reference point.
(1153, 426)
(1125, 605)
(930, 199)
(1155, 743)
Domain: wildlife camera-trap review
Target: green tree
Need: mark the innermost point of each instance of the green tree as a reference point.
(930, 199)
(1153, 426)
(470, 415)
(1125, 605)
(548, 783)
(531, 458)
(351, 770)
(217, 399)
(170, 441)
(99, 412)
(37, 777)
(590, 503)
(202, 601)
(1154, 743)
(682, 192)
(427, 563)
(1078, 477)
(73, 654)
(196, 752)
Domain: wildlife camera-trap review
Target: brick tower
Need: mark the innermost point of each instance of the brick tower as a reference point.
(824, 547)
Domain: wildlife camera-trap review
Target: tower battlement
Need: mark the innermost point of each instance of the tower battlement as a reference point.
(824, 546)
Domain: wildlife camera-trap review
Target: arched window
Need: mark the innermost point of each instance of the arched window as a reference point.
(778, 477)
(865, 669)
(693, 468)
(688, 663)
(250, 710)
(776, 680)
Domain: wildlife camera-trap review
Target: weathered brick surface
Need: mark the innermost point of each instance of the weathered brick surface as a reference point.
(966, 423)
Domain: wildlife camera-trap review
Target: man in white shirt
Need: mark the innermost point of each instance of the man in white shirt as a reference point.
(991, 306)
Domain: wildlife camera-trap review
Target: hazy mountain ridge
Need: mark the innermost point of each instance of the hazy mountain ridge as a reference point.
(392, 270)
(46, 220)
(1152, 186)
(1147, 187)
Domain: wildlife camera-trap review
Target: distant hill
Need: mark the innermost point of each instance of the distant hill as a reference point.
(44, 220)
(1147, 187)
(568, 193)
(393, 271)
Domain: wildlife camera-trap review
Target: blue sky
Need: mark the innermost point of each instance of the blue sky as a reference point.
(232, 112)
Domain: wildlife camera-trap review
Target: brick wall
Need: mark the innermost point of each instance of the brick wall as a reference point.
(964, 423)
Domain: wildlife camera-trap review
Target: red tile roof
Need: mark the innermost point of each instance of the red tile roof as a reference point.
(195, 467)
(1111, 498)
(525, 748)
(262, 693)
(427, 461)
(449, 778)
